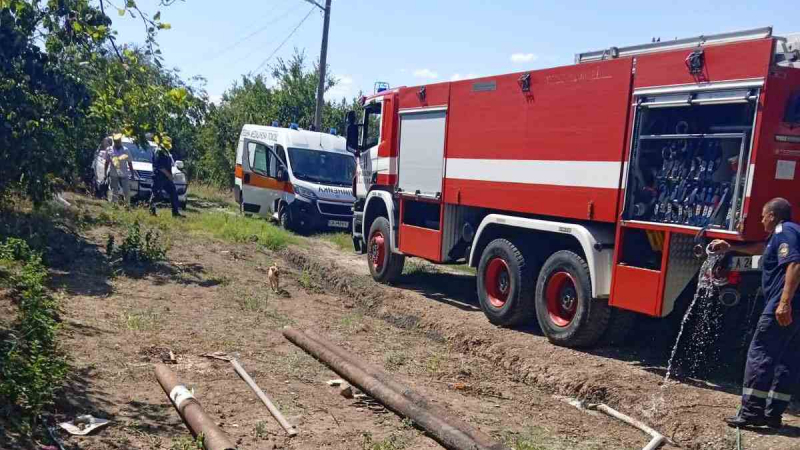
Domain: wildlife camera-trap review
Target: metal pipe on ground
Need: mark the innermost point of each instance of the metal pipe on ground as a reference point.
(191, 412)
(452, 433)
(393, 384)
(289, 428)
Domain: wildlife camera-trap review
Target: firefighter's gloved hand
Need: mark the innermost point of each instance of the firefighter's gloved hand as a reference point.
(719, 246)
(783, 313)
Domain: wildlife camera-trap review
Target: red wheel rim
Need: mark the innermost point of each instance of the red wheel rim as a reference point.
(562, 298)
(377, 250)
(497, 282)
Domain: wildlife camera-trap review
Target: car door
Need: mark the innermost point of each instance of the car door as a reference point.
(260, 189)
(100, 165)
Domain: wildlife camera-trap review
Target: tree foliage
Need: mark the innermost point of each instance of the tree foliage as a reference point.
(64, 84)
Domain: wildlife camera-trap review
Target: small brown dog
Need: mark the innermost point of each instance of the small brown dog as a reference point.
(274, 277)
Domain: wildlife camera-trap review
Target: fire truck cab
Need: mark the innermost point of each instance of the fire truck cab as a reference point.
(581, 192)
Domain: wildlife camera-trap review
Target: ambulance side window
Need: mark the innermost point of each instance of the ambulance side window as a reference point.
(260, 155)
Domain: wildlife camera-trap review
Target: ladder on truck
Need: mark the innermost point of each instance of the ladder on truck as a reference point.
(651, 47)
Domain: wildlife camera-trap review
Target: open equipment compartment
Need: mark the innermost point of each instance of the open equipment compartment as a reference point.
(689, 159)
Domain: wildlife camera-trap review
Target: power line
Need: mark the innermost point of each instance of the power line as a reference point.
(284, 42)
(259, 30)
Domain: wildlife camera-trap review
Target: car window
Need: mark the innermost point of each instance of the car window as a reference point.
(260, 157)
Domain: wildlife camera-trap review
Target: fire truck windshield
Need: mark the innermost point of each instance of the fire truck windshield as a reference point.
(322, 167)
(372, 125)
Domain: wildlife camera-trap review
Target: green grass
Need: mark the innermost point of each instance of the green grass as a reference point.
(141, 320)
(394, 360)
(435, 362)
(254, 303)
(415, 267)
(187, 443)
(261, 431)
(213, 194)
(236, 228)
(343, 241)
(351, 322)
(392, 442)
(463, 268)
(222, 225)
(305, 280)
(538, 438)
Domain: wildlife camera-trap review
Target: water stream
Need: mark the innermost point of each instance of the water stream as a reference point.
(705, 291)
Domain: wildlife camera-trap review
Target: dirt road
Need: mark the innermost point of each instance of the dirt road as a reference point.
(212, 295)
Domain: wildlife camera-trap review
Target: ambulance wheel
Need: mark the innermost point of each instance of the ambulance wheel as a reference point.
(505, 284)
(286, 220)
(384, 265)
(565, 309)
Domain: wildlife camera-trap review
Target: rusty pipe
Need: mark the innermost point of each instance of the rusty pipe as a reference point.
(191, 412)
(393, 384)
(452, 433)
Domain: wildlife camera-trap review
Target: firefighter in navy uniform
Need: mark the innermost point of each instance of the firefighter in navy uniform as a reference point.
(772, 372)
(162, 180)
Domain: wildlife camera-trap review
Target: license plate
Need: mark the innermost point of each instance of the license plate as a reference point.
(339, 224)
(744, 263)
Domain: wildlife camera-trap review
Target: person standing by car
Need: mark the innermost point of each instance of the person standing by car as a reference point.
(162, 180)
(772, 372)
(119, 161)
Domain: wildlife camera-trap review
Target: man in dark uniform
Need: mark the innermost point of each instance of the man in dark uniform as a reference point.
(162, 179)
(772, 372)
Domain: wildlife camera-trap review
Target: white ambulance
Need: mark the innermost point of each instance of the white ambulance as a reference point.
(302, 179)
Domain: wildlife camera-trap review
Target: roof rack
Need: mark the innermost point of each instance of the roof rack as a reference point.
(723, 38)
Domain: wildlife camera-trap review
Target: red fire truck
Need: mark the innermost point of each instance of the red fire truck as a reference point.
(581, 192)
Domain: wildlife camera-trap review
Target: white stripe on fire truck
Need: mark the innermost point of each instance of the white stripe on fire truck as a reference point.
(591, 174)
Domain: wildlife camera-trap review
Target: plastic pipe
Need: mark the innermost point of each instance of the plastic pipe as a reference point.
(657, 438)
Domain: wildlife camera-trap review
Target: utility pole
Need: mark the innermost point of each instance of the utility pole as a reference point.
(323, 62)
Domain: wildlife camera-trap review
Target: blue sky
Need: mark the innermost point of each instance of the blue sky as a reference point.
(412, 42)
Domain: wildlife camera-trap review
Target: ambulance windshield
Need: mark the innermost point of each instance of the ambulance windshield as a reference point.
(322, 167)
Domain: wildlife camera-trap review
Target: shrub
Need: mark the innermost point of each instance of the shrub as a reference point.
(136, 248)
(32, 368)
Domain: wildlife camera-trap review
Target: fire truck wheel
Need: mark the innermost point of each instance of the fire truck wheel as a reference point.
(505, 284)
(565, 309)
(384, 265)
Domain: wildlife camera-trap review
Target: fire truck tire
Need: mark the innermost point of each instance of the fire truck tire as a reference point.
(505, 284)
(565, 309)
(384, 265)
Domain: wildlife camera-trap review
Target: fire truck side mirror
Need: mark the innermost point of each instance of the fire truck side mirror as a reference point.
(352, 138)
